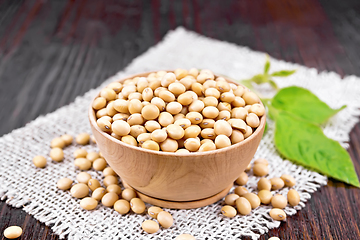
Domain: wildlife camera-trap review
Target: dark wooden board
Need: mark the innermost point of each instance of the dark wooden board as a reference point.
(53, 51)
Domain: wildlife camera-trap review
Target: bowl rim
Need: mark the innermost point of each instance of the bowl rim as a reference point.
(92, 117)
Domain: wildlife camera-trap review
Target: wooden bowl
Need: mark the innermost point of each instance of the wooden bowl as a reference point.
(177, 177)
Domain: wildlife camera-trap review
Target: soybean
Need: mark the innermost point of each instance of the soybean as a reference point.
(293, 197)
(165, 219)
(39, 161)
(277, 214)
(88, 203)
(122, 206)
(150, 226)
(228, 211)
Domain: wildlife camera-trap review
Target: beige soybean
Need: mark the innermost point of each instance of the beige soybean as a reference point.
(98, 103)
(101, 113)
(64, 183)
(159, 103)
(264, 184)
(99, 164)
(109, 171)
(192, 132)
(88, 203)
(250, 98)
(159, 135)
(231, 199)
(224, 106)
(228, 97)
(93, 184)
(265, 196)
(110, 109)
(120, 128)
(243, 206)
(176, 88)
(165, 119)
(223, 86)
(208, 133)
(222, 127)
(207, 146)
(262, 161)
(128, 139)
(121, 105)
(293, 197)
(143, 137)
(274, 238)
(152, 125)
(108, 93)
(258, 109)
(39, 161)
(223, 115)
(147, 94)
(198, 88)
(114, 188)
(154, 211)
(83, 177)
(109, 180)
(79, 190)
(207, 123)
(109, 199)
(135, 119)
(196, 106)
(151, 145)
(173, 108)
(182, 151)
(122, 206)
(104, 124)
(116, 86)
(98, 193)
(252, 120)
(83, 138)
(82, 163)
(236, 136)
(276, 183)
(279, 201)
(165, 219)
(210, 112)
(239, 113)
(80, 153)
(67, 138)
(194, 117)
(242, 179)
(288, 180)
(253, 199)
(192, 144)
(238, 124)
(277, 214)
(210, 101)
(167, 79)
(169, 145)
(239, 91)
(57, 143)
(248, 132)
(12, 232)
(238, 102)
(175, 131)
(222, 141)
(150, 226)
(240, 191)
(228, 211)
(185, 236)
(185, 98)
(57, 154)
(128, 194)
(260, 169)
(184, 123)
(137, 205)
(92, 156)
(150, 112)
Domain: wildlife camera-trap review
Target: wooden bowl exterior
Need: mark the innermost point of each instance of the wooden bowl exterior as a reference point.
(176, 177)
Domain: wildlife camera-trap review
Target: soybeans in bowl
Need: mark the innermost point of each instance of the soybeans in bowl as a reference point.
(180, 135)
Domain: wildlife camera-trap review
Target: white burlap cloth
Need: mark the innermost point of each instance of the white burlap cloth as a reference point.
(23, 185)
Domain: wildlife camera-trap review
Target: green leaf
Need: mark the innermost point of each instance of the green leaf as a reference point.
(267, 65)
(283, 73)
(306, 144)
(260, 78)
(304, 104)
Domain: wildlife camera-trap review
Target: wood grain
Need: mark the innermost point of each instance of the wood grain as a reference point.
(53, 51)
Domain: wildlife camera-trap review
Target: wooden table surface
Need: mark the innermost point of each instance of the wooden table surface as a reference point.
(53, 51)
